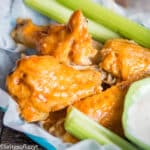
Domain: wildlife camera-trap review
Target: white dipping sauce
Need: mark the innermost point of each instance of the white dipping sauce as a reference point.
(139, 115)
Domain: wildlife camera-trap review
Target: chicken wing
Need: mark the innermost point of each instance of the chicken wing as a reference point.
(123, 58)
(41, 84)
(69, 43)
(106, 107)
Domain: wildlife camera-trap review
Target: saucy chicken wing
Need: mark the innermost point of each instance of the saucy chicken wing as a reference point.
(69, 43)
(123, 58)
(41, 84)
(106, 107)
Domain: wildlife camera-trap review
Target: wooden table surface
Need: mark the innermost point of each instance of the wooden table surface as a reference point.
(9, 136)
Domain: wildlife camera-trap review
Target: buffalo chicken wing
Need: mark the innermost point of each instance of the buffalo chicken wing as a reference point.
(41, 84)
(124, 59)
(69, 43)
(106, 107)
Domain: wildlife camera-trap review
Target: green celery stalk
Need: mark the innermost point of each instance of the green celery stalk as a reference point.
(111, 20)
(82, 127)
(61, 14)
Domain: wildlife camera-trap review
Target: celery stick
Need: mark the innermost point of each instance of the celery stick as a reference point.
(51, 9)
(82, 127)
(111, 20)
(99, 32)
(61, 14)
